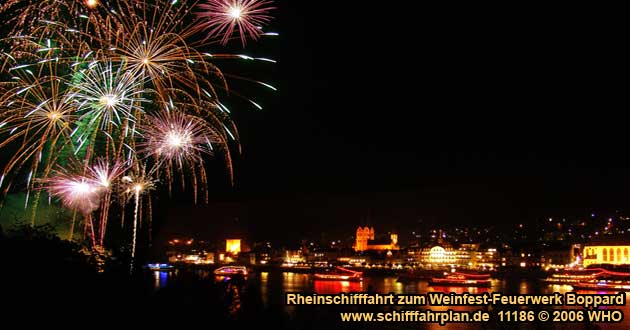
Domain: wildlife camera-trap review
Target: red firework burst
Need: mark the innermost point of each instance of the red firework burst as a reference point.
(222, 17)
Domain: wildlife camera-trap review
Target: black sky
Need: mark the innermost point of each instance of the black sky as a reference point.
(452, 115)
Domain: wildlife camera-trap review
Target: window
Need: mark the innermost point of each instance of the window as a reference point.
(612, 254)
(605, 255)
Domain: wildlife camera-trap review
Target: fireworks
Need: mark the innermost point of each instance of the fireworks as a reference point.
(21, 15)
(174, 137)
(177, 142)
(109, 96)
(36, 114)
(136, 186)
(161, 52)
(76, 192)
(103, 174)
(91, 3)
(222, 17)
(84, 190)
(99, 99)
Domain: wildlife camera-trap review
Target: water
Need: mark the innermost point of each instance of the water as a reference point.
(261, 299)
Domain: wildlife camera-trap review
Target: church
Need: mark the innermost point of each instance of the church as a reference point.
(366, 234)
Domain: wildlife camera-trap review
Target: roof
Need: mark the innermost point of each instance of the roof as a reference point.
(610, 240)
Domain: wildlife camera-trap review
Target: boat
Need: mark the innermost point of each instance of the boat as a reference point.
(606, 280)
(160, 267)
(231, 271)
(462, 279)
(297, 267)
(339, 274)
(574, 276)
(417, 275)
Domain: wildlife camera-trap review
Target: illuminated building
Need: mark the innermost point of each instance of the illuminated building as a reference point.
(259, 258)
(293, 258)
(181, 242)
(362, 237)
(523, 258)
(233, 246)
(441, 254)
(354, 261)
(365, 234)
(610, 253)
(484, 259)
(561, 257)
(189, 251)
(198, 258)
(324, 256)
(445, 255)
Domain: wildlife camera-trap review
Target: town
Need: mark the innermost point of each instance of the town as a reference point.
(548, 244)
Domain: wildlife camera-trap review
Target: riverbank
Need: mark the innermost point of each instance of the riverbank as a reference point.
(504, 273)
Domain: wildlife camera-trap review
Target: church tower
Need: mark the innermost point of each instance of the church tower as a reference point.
(362, 236)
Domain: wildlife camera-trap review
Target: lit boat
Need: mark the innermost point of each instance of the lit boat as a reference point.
(606, 280)
(417, 275)
(160, 267)
(339, 274)
(231, 271)
(462, 279)
(571, 277)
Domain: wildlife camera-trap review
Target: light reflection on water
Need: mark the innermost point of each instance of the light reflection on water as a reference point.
(160, 279)
(294, 282)
(272, 286)
(264, 279)
(332, 287)
(387, 284)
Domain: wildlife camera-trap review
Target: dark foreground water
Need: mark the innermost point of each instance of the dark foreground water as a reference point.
(193, 295)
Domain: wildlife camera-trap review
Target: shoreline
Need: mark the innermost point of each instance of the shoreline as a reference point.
(405, 274)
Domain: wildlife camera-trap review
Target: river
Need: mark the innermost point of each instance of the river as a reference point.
(261, 299)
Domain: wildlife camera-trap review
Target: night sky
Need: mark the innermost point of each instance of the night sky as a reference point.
(445, 115)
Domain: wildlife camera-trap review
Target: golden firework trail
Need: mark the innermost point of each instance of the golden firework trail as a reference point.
(96, 93)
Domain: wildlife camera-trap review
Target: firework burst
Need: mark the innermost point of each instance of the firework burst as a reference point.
(91, 89)
(155, 42)
(103, 173)
(222, 17)
(176, 138)
(77, 192)
(135, 186)
(109, 96)
(21, 15)
(85, 189)
(177, 143)
(37, 112)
